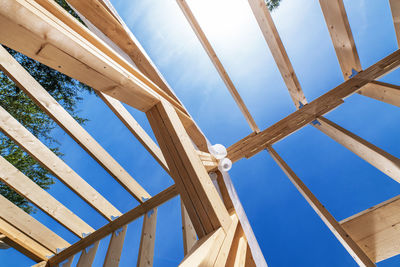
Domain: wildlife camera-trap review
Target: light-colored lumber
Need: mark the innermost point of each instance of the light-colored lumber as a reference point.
(147, 239)
(24, 243)
(377, 229)
(188, 232)
(342, 37)
(40, 264)
(348, 243)
(205, 207)
(384, 92)
(278, 51)
(377, 157)
(119, 222)
(254, 143)
(205, 251)
(217, 63)
(88, 255)
(113, 255)
(26, 140)
(234, 247)
(240, 259)
(135, 128)
(227, 244)
(52, 108)
(395, 7)
(24, 186)
(30, 226)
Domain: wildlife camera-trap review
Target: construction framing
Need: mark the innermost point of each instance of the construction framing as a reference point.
(106, 56)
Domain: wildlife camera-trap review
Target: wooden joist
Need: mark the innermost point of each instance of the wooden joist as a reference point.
(395, 7)
(384, 92)
(377, 229)
(30, 226)
(24, 186)
(188, 232)
(349, 244)
(113, 255)
(377, 157)
(24, 243)
(26, 140)
(87, 255)
(254, 143)
(205, 207)
(217, 63)
(278, 51)
(119, 222)
(52, 108)
(147, 239)
(223, 253)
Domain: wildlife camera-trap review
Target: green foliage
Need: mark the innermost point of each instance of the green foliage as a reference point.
(272, 4)
(65, 90)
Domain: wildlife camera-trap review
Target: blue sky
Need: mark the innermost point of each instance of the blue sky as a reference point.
(288, 230)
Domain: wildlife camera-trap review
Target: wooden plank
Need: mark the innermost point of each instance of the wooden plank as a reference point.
(24, 243)
(119, 222)
(40, 264)
(147, 239)
(348, 243)
(384, 92)
(43, 200)
(188, 232)
(135, 128)
(254, 143)
(30, 226)
(114, 250)
(88, 255)
(377, 157)
(240, 259)
(278, 50)
(217, 63)
(20, 135)
(377, 229)
(52, 108)
(188, 172)
(227, 244)
(205, 251)
(234, 247)
(342, 37)
(395, 7)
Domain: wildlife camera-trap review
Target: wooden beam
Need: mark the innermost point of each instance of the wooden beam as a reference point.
(135, 128)
(119, 222)
(26, 140)
(88, 255)
(188, 232)
(254, 143)
(377, 229)
(205, 207)
(52, 108)
(24, 243)
(240, 259)
(223, 253)
(205, 251)
(348, 243)
(114, 250)
(147, 239)
(278, 51)
(24, 186)
(217, 63)
(377, 157)
(384, 92)
(395, 7)
(30, 226)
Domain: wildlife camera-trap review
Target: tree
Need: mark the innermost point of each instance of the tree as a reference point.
(64, 89)
(272, 4)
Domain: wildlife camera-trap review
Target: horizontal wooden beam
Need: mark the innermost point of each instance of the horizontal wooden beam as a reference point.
(217, 63)
(27, 188)
(388, 93)
(33, 146)
(349, 244)
(52, 108)
(254, 143)
(278, 51)
(30, 226)
(395, 6)
(377, 229)
(109, 228)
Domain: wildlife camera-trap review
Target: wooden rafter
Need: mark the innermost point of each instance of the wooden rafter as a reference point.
(217, 63)
(395, 7)
(384, 92)
(147, 239)
(114, 249)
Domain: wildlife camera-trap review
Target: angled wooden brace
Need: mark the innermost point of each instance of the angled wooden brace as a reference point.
(147, 239)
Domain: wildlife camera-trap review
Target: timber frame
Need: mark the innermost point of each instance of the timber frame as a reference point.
(107, 57)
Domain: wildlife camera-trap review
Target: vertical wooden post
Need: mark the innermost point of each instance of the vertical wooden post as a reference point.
(189, 234)
(147, 240)
(114, 250)
(87, 255)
